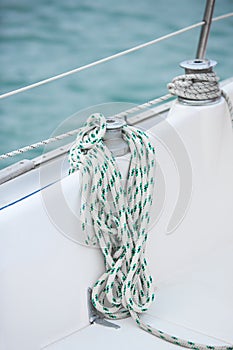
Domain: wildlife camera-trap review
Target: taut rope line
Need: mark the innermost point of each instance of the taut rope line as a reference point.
(119, 215)
(75, 131)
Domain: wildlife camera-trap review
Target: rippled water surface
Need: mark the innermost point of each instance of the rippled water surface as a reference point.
(39, 39)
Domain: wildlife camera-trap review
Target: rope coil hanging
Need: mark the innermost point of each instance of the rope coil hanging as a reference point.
(119, 216)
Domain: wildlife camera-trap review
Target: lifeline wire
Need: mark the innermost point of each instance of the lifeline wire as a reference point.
(109, 58)
(119, 215)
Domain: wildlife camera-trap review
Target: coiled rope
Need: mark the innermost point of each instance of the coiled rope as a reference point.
(119, 215)
(197, 87)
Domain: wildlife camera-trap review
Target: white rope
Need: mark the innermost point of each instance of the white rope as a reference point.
(119, 215)
(143, 106)
(199, 87)
(38, 144)
(75, 131)
(107, 59)
(229, 103)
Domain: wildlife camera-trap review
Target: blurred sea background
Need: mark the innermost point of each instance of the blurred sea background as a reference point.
(39, 39)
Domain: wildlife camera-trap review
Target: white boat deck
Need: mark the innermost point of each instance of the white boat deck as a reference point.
(45, 271)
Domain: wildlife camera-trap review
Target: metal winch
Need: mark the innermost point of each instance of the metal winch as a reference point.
(113, 137)
(196, 67)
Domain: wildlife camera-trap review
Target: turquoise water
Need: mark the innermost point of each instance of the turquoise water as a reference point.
(41, 38)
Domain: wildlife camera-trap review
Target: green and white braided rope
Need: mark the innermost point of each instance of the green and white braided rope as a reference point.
(119, 214)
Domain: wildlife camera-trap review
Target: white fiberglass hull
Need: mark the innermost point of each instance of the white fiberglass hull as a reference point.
(45, 271)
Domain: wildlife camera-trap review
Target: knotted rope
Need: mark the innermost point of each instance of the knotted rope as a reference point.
(119, 215)
(197, 87)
